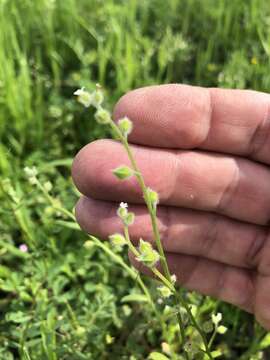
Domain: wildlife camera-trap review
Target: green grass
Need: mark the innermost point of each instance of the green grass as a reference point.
(63, 300)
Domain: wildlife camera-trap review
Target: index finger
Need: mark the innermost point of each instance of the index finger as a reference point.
(188, 117)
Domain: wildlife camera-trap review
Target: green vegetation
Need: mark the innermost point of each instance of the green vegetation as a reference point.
(68, 297)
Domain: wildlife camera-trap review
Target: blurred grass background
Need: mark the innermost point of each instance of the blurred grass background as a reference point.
(62, 300)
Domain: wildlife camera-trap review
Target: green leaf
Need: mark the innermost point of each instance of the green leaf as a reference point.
(216, 353)
(18, 317)
(55, 163)
(4, 271)
(265, 343)
(134, 298)
(68, 224)
(25, 296)
(157, 356)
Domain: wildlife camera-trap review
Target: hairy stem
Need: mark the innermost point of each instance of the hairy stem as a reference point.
(153, 216)
(167, 278)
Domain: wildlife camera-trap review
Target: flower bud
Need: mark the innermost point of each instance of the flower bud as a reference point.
(164, 291)
(88, 244)
(221, 329)
(117, 240)
(148, 255)
(208, 326)
(152, 196)
(48, 186)
(80, 331)
(23, 248)
(32, 180)
(127, 217)
(125, 126)
(103, 116)
(84, 97)
(123, 172)
(109, 339)
(191, 348)
(122, 210)
(97, 98)
(31, 174)
(168, 310)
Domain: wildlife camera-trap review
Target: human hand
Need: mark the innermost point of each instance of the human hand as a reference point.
(207, 153)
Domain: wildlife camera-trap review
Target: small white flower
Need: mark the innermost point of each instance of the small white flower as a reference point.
(173, 278)
(84, 97)
(78, 92)
(216, 318)
(123, 205)
(126, 217)
(23, 248)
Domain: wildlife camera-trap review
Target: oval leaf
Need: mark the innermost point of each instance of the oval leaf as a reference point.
(157, 356)
(134, 298)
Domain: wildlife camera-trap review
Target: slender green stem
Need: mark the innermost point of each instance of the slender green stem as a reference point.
(182, 301)
(136, 253)
(53, 203)
(164, 280)
(195, 324)
(129, 270)
(130, 245)
(213, 337)
(176, 303)
(144, 190)
(152, 212)
(167, 279)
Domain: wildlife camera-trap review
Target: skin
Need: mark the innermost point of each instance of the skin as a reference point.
(207, 153)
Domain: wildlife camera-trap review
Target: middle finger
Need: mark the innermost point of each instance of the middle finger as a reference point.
(232, 186)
